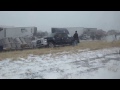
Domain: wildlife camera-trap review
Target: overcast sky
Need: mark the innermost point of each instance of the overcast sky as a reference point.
(44, 20)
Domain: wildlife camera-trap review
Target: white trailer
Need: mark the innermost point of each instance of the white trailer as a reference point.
(1, 33)
(15, 32)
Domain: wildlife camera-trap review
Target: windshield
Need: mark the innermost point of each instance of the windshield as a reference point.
(69, 35)
(51, 35)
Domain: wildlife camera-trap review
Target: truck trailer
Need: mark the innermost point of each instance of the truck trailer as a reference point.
(15, 32)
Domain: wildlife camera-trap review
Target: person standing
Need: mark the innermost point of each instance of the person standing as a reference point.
(76, 38)
(115, 37)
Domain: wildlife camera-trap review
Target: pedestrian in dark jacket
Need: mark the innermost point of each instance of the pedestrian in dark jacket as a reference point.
(76, 38)
(1, 48)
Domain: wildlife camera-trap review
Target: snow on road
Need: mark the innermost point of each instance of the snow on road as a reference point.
(84, 64)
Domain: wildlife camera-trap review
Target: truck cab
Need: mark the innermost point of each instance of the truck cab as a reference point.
(59, 38)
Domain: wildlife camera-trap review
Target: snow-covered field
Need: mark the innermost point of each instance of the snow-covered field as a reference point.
(84, 64)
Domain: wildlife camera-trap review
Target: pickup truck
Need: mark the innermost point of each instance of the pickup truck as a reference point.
(59, 39)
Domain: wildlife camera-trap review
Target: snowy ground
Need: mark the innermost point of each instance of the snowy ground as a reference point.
(84, 64)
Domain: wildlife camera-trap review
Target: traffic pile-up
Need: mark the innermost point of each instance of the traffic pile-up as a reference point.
(7, 44)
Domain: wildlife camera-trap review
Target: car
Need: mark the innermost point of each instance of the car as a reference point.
(59, 38)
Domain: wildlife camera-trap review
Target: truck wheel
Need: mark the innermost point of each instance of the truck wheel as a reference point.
(50, 45)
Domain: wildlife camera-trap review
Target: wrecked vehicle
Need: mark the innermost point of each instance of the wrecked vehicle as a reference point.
(59, 38)
(39, 43)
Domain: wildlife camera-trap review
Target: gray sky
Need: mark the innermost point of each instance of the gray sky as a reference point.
(44, 20)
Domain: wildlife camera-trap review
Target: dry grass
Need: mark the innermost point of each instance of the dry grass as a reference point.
(93, 45)
(99, 44)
